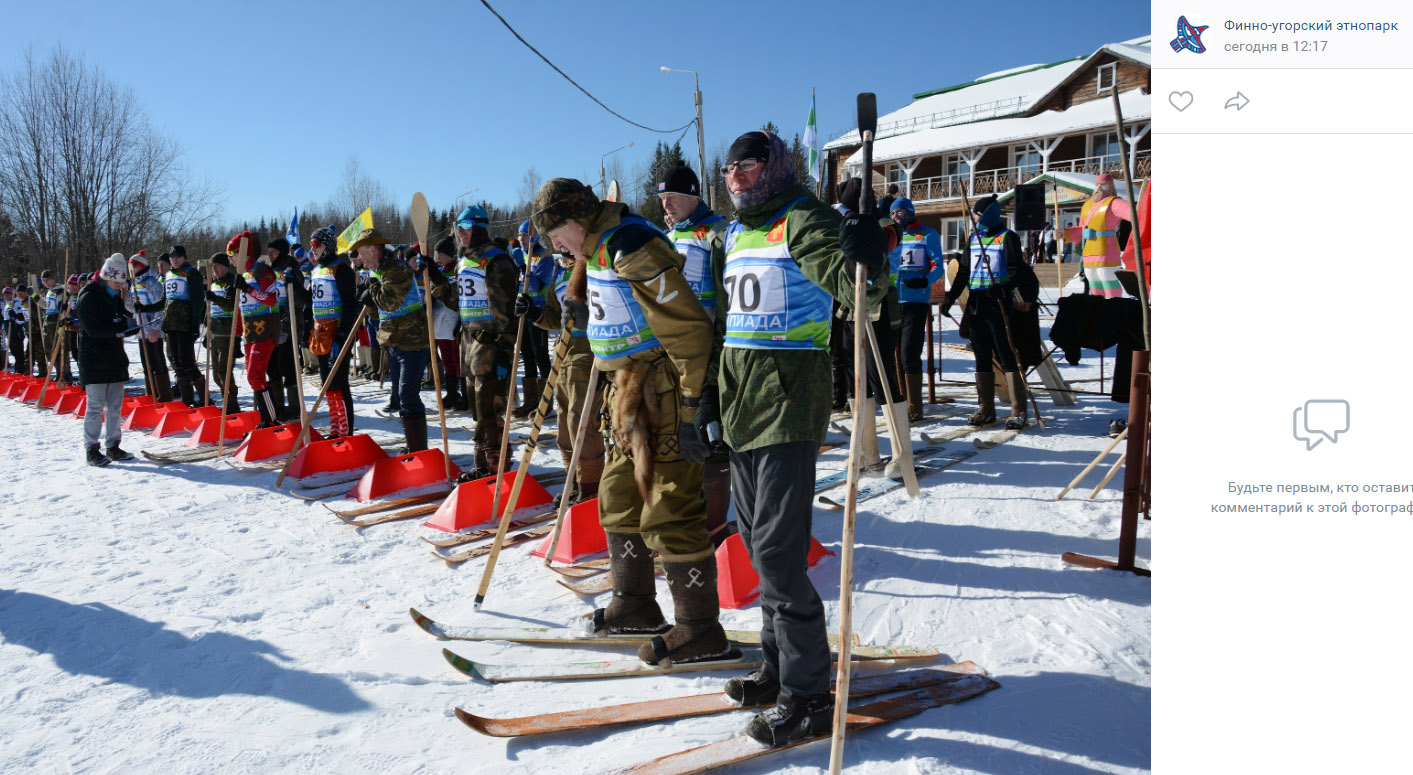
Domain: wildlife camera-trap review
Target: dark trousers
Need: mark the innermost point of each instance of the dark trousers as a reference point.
(155, 362)
(887, 337)
(774, 491)
(912, 334)
(405, 368)
(841, 358)
(181, 348)
(988, 334)
(535, 352)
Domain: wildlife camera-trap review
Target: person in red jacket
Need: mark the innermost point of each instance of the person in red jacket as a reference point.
(259, 321)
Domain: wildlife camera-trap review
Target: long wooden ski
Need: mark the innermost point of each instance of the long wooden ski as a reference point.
(692, 706)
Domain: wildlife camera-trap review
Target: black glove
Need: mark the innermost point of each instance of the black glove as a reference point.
(485, 336)
(129, 332)
(947, 307)
(708, 420)
(525, 308)
(215, 299)
(366, 299)
(693, 450)
(241, 283)
(578, 309)
(863, 242)
(915, 283)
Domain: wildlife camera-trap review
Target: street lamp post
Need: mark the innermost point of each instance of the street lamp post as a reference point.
(701, 133)
(603, 185)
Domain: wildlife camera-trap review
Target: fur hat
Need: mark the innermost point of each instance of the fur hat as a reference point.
(369, 237)
(561, 200)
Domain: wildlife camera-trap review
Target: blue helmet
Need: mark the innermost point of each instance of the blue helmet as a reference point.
(473, 215)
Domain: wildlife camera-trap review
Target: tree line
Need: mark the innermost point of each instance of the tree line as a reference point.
(84, 174)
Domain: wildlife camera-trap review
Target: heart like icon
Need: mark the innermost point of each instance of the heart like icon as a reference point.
(1181, 100)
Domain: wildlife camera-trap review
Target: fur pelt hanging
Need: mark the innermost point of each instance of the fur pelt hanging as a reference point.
(635, 419)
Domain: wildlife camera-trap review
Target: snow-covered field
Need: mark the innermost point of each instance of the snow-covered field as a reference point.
(191, 618)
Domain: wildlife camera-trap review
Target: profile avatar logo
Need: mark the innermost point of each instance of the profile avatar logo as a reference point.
(1189, 37)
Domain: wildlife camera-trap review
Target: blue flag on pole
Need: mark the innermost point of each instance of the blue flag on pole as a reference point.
(293, 234)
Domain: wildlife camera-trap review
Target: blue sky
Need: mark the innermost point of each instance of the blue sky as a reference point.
(271, 99)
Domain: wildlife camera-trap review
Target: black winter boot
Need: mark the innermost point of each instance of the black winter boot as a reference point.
(96, 458)
(265, 405)
(292, 404)
(792, 720)
(758, 688)
(394, 403)
(697, 635)
(1020, 400)
(634, 609)
(985, 399)
(414, 427)
(115, 452)
(452, 386)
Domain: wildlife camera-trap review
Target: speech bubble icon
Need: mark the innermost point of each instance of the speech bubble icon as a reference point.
(1322, 419)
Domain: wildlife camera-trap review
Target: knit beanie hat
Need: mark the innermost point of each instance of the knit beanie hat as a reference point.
(779, 172)
(446, 246)
(139, 258)
(680, 180)
(115, 269)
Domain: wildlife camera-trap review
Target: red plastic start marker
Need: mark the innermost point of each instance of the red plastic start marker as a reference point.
(403, 472)
(237, 425)
(265, 443)
(132, 402)
(177, 421)
(350, 453)
(580, 536)
(736, 581)
(470, 503)
(148, 416)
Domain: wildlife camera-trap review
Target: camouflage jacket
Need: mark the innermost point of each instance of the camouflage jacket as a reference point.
(646, 260)
(402, 314)
(185, 315)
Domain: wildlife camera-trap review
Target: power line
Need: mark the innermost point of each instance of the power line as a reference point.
(566, 77)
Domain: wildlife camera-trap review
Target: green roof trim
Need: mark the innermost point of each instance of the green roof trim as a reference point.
(979, 81)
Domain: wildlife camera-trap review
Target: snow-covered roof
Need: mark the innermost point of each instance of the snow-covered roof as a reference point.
(994, 96)
(1094, 114)
(990, 97)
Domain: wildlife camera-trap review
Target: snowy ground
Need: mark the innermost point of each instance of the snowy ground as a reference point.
(191, 618)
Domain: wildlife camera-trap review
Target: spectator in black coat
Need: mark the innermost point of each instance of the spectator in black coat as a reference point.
(103, 364)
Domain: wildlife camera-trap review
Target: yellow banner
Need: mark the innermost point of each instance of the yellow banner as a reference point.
(363, 221)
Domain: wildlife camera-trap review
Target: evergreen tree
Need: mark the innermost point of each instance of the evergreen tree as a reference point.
(665, 159)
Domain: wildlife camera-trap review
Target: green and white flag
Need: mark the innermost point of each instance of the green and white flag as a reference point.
(812, 143)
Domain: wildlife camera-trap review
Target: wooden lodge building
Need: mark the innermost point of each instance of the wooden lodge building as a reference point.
(1051, 123)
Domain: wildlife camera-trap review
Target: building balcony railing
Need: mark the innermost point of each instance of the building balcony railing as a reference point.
(1001, 180)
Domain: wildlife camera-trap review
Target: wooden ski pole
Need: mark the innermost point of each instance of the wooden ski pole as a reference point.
(294, 353)
(901, 437)
(1122, 435)
(420, 217)
(313, 410)
(210, 340)
(58, 340)
(230, 348)
(141, 333)
(1133, 219)
(509, 405)
(546, 396)
(1112, 470)
(868, 122)
(572, 473)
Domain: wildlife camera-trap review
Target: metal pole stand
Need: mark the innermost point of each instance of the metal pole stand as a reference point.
(1137, 474)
